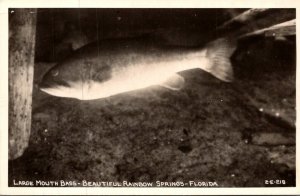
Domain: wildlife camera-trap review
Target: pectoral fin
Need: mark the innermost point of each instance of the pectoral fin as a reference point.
(175, 82)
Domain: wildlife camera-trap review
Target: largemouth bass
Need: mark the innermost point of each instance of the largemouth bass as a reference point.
(110, 67)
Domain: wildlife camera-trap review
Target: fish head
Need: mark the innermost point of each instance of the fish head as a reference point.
(63, 80)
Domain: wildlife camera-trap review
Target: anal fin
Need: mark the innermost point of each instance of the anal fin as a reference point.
(175, 82)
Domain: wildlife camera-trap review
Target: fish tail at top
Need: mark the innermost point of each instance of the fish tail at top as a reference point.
(218, 53)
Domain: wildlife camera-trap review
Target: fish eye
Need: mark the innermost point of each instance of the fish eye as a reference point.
(54, 72)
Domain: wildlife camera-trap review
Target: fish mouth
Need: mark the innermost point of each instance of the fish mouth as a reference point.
(46, 85)
(46, 90)
(58, 91)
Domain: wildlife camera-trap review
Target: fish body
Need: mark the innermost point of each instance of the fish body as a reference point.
(111, 67)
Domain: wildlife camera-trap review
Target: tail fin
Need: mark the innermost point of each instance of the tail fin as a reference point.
(218, 54)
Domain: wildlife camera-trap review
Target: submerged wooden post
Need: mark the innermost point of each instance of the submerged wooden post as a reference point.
(22, 29)
(283, 29)
(254, 20)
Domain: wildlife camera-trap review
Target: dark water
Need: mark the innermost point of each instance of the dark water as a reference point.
(238, 134)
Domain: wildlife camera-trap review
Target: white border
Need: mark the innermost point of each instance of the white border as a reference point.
(5, 4)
